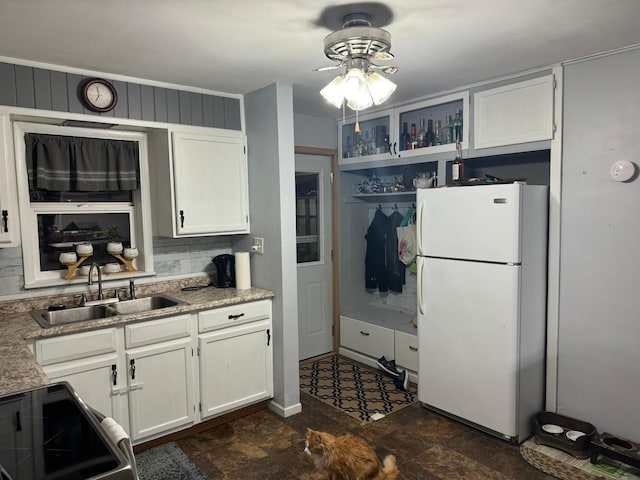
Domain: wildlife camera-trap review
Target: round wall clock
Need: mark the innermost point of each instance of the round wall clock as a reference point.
(99, 95)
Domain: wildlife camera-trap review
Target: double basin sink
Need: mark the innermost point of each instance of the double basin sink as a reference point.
(51, 318)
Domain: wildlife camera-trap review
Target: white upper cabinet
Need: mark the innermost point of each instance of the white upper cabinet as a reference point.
(517, 113)
(201, 183)
(9, 217)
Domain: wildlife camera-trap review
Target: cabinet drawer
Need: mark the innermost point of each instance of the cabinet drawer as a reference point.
(77, 345)
(234, 315)
(145, 333)
(407, 350)
(366, 338)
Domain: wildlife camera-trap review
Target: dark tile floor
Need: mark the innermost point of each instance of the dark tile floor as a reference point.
(427, 446)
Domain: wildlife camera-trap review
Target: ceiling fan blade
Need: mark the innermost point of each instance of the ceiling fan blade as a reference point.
(382, 56)
(330, 67)
(388, 69)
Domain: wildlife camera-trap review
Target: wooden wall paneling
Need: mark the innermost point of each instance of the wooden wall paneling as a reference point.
(148, 103)
(30, 87)
(122, 107)
(207, 110)
(8, 84)
(73, 86)
(185, 107)
(173, 106)
(25, 92)
(231, 113)
(160, 101)
(42, 88)
(59, 92)
(135, 101)
(196, 109)
(218, 112)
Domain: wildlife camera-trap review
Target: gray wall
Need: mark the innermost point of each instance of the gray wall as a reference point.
(599, 325)
(28, 87)
(313, 131)
(270, 137)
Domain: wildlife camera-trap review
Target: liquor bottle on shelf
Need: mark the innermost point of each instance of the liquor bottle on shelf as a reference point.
(457, 126)
(430, 138)
(450, 127)
(358, 145)
(438, 133)
(421, 138)
(372, 142)
(365, 143)
(347, 151)
(404, 137)
(457, 167)
(412, 141)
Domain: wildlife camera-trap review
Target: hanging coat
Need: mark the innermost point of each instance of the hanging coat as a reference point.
(395, 268)
(374, 260)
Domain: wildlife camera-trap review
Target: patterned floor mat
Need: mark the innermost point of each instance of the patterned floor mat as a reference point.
(358, 390)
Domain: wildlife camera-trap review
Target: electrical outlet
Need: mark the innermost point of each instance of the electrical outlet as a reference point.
(258, 245)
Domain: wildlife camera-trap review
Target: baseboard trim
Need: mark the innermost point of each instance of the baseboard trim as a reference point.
(285, 412)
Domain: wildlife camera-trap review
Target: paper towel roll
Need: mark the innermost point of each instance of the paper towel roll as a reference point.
(243, 271)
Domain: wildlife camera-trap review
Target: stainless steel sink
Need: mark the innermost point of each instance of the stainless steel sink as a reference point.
(144, 304)
(48, 318)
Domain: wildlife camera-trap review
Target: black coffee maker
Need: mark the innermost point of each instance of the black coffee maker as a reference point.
(225, 270)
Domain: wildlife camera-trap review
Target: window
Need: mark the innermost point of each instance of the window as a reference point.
(307, 217)
(82, 196)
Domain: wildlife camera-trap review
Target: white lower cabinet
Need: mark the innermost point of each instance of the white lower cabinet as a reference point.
(91, 363)
(145, 375)
(160, 378)
(236, 362)
(366, 342)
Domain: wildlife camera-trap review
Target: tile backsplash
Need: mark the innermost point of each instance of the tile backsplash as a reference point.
(172, 257)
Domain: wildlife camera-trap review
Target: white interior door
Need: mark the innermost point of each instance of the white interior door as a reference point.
(313, 252)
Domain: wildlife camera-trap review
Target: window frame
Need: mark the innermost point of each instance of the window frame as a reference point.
(139, 209)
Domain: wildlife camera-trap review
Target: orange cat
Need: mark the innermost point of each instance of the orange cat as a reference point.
(348, 458)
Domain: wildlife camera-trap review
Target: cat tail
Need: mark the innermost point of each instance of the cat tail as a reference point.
(390, 468)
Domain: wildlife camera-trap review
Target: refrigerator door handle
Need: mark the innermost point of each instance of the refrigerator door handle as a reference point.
(419, 226)
(420, 261)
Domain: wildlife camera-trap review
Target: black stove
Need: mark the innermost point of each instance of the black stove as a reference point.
(49, 433)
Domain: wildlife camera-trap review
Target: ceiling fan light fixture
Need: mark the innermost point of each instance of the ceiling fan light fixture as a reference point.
(355, 84)
(380, 88)
(332, 93)
(360, 103)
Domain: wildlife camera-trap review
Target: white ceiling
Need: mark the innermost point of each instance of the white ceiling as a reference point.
(237, 46)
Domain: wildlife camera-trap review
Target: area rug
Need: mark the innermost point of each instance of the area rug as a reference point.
(562, 465)
(167, 462)
(362, 392)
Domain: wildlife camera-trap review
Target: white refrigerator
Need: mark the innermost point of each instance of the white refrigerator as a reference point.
(482, 256)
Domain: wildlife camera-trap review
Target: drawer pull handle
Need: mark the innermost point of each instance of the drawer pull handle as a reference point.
(132, 363)
(235, 317)
(366, 334)
(114, 374)
(413, 349)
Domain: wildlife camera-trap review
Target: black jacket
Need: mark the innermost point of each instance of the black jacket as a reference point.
(374, 260)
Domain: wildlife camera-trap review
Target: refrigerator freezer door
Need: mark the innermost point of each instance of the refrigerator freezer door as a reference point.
(468, 339)
(477, 223)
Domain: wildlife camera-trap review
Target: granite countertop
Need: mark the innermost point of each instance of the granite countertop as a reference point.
(19, 369)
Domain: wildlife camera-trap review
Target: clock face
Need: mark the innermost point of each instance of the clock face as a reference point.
(99, 95)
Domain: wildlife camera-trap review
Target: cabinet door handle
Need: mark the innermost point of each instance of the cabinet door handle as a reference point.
(413, 349)
(181, 218)
(5, 220)
(132, 363)
(114, 374)
(366, 334)
(395, 149)
(268, 337)
(235, 317)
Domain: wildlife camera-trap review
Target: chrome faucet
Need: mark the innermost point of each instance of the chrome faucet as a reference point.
(94, 264)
